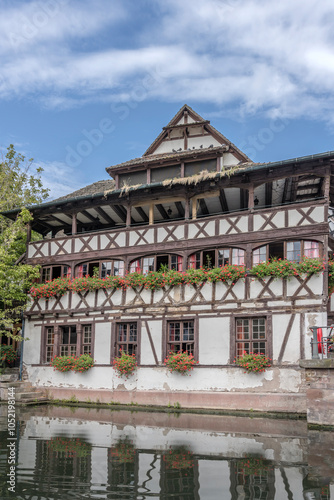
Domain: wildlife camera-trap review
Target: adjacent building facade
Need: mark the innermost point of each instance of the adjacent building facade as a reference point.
(192, 200)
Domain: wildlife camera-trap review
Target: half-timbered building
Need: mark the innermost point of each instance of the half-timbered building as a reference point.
(193, 199)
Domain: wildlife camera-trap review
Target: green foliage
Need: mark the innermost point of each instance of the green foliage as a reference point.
(124, 451)
(83, 363)
(180, 362)
(331, 277)
(151, 281)
(280, 268)
(253, 362)
(7, 353)
(69, 447)
(18, 188)
(15, 279)
(72, 363)
(63, 363)
(179, 458)
(125, 364)
(254, 466)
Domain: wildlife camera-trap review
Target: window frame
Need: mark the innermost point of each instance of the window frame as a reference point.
(285, 249)
(165, 330)
(114, 342)
(57, 338)
(233, 333)
(62, 273)
(140, 262)
(99, 264)
(216, 251)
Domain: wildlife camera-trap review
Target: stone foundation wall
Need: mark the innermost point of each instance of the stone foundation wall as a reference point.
(319, 374)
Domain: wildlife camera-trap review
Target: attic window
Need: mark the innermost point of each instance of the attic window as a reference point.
(133, 178)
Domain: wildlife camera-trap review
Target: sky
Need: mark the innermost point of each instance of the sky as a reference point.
(85, 84)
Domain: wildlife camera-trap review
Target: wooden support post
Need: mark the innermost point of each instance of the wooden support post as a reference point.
(151, 215)
(326, 184)
(79, 338)
(128, 216)
(56, 344)
(194, 208)
(186, 209)
(251, 197)
(74, 223)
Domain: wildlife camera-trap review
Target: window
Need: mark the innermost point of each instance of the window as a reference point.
(295, 250)
(126, 338)
(155, 263)
(311, 249)
(101, 269)
(86, 339)
(251, 336)
(49, 346)
(259, 255)
(219, 258)
(67, 340)
(53, 272)
(180, 336)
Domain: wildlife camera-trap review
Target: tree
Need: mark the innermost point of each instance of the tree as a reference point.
(15, 279)
(18, 188)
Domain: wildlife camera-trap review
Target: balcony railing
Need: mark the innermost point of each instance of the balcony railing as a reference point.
(322, 343)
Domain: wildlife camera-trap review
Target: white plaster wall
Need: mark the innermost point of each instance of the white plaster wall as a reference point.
(210, 472)
(146, 354)
(292, 349)
(205, 140)
(168, 146)
(229, 159)
(107, 434)
(99, 463)
(32, 347)
(102, 344)
(214, 341)
(160, 379)
(151, 479)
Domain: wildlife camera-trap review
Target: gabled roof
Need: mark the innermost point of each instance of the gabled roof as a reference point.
(167, 146)
(95, 188)
(187, 111)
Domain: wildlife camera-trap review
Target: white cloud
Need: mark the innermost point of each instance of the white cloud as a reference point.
(252, 55)
(58, 177)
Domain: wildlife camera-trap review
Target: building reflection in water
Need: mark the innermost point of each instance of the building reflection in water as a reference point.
(116, 455)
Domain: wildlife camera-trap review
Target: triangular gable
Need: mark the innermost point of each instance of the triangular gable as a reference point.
(188, 130)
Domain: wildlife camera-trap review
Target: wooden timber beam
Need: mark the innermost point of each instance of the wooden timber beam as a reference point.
(105, 216)
(88, 216)
(118, 211)
(162, 211)
(63, 223)
(203, 206)
(223, 201)
(142, 214)
(179, 208)
(294, 187)
(269, 194)
(243, 198)
(321, 186)
(285, 190)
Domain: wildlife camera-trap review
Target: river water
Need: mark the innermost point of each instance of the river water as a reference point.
(79, 453)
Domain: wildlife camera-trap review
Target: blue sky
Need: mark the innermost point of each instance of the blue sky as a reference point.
(87, 84)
